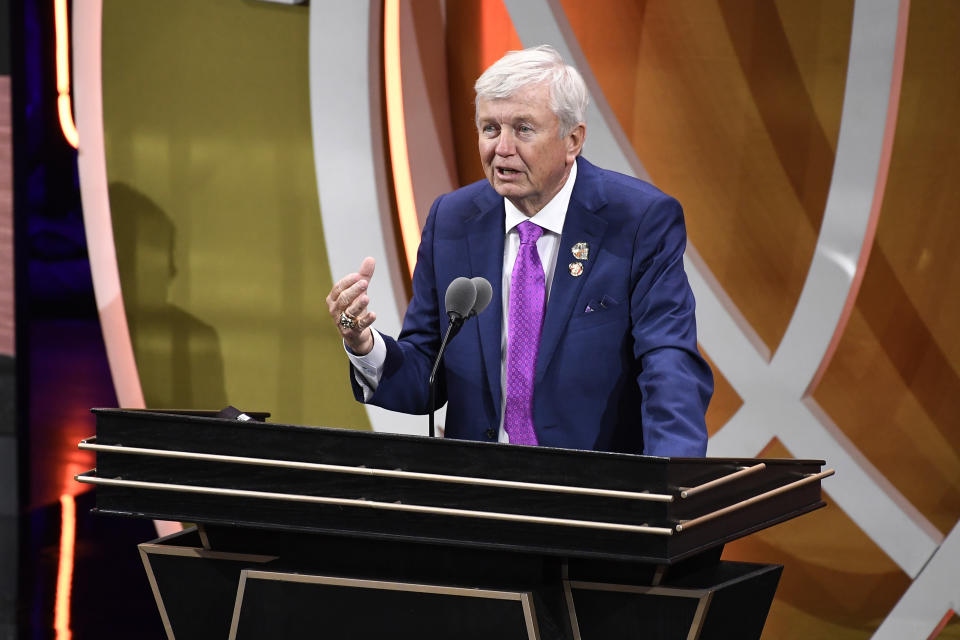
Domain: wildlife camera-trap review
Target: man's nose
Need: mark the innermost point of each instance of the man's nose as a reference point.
(505, 143)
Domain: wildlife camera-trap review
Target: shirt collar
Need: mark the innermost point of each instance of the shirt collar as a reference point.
(552, 215)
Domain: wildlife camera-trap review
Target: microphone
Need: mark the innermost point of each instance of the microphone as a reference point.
(484, 295)
(465, 298)
(460, 299)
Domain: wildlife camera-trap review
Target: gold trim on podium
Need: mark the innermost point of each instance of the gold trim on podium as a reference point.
(386, 473)
(703, 597)
(706, 486)
(525, 598)
(374, 504)
(813, 477)
(154, 547)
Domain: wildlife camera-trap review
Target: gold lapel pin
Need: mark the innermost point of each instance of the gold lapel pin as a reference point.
(576, 268)
(581, 251)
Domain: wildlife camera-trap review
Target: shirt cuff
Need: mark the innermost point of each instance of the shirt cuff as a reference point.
(368, 369)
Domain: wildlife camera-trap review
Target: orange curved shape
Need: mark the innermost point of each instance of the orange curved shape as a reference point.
(64, 109)
(397, 133)
(68, 529)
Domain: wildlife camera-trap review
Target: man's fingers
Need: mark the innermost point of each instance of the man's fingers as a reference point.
(349, 296)
(358, 306)
(367, 267)
(342, 285)
(341, 296)
(366, 320)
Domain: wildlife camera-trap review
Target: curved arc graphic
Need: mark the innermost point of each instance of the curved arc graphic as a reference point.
(97, 221)
(886, 151)
(349, 160)
(62, 38)
(773, 389)
(856, 192)
(935, 592)
(397, 133)
(95, 199)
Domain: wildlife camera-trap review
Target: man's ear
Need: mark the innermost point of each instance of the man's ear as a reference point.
(575, 140)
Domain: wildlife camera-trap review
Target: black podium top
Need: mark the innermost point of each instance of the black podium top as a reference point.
(190, 466)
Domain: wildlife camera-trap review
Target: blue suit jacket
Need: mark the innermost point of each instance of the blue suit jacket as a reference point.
(625, 376)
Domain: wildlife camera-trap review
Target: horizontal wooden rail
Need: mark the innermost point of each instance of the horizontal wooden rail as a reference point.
(706, 486)
(813, 477)
(386, 473)
(373, 504)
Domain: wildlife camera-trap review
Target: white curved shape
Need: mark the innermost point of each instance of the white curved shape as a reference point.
(92, 170)
(856, 191)
(349, 162)
(733, 342)
(935, 592)
(846, 218)
(97, 223)
(773, 392)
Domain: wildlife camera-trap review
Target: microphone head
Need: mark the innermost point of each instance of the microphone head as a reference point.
(484, 294)
(460, 297)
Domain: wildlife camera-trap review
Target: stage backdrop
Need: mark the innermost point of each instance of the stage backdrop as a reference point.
(236, 156)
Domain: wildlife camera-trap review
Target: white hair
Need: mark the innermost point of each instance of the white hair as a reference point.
(519, 69)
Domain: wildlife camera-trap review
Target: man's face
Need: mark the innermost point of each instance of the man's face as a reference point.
(523, 155)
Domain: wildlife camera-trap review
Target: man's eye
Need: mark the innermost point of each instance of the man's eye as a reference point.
(489, 129)
(525, 128)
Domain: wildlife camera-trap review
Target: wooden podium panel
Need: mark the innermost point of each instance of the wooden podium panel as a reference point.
(298, 605)
(720, 601)
(343, 587)
(557, 501)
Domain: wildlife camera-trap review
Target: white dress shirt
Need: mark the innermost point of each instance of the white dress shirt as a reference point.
(369, 367)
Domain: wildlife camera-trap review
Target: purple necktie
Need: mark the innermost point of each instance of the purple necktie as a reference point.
(527, 294)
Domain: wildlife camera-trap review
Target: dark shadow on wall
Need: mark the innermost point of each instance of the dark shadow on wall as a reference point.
(178, 355)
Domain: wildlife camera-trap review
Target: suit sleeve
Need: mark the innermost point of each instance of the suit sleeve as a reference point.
(403, 385)
(675, 382)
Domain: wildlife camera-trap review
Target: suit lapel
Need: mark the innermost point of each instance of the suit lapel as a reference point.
(580, 225)
(485, 239)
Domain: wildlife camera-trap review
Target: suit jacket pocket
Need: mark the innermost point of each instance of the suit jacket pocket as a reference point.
(598, 312)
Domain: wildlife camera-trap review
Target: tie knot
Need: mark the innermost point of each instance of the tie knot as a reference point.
(529, 232)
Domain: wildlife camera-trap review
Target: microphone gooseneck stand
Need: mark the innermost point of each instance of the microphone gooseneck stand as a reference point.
(456, 321)
(464, 299)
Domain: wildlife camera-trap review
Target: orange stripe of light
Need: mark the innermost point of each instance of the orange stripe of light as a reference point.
(68, 532)
(66, 120)
(61, 29)
(397, 133)
(943, 623)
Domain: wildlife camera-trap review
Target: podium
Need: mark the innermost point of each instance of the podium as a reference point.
(336, 533)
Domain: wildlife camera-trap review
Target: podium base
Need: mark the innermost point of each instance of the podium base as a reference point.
(212, 582)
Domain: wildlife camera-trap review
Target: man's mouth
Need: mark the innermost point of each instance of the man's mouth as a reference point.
(503, 171)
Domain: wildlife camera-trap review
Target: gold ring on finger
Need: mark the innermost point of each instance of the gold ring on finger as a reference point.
(347, 321)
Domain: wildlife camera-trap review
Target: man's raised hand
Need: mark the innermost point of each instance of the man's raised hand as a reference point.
(347, 303)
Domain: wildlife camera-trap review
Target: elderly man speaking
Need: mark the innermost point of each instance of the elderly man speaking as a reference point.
(590, 341)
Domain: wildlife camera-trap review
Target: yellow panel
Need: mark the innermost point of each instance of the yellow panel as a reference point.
(215, 209)
(894, 382)
(734, 108)
(836, 582)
